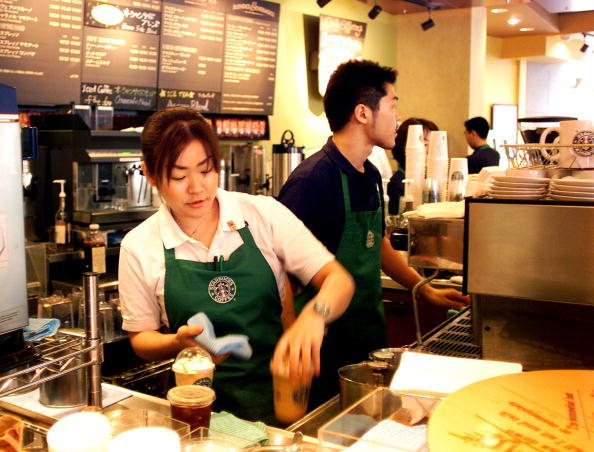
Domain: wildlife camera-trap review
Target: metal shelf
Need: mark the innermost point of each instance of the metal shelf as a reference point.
(531, 156)
(58, 358)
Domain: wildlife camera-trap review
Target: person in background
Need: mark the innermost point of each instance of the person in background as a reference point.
(396, 186)
(225, 254)
(476, 131)
(380, 160)
(337, 193)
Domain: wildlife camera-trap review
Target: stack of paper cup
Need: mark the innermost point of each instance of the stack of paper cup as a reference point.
(437, 161)
(459, 174)
(415, 162)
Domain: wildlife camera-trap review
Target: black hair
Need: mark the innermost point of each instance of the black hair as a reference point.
(479, 124)
(167, 133)
(352, 83)
(398, 151)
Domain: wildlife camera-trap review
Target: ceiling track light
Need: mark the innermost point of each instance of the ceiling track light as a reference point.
(428, 23)
(374, 12)
(322, 3)
(585, 46)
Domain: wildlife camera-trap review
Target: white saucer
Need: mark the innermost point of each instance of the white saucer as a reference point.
(576, 182)
(531, 197)
(571, 198)
(574, 194)
(502, 191)
(586, 189)
(519, 184)
(528, 180)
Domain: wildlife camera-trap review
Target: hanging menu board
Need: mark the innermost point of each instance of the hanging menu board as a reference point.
(41, 49)
(122, 57)
(192, 54)
(251, 35)
(217, 56)
(340, 40)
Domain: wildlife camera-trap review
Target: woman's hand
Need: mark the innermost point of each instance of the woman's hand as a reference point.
(449, 298)
(300, 347)
(185, 336)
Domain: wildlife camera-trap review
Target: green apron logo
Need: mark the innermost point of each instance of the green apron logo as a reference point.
(370, 240)
(222, 289)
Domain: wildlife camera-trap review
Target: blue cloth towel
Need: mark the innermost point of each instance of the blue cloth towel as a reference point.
(236, 344)
(40, 328)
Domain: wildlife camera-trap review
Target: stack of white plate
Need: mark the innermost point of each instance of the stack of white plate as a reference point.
(515, 187)
(570, 189)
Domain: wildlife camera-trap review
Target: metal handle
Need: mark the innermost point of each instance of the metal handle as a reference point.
(93, 339)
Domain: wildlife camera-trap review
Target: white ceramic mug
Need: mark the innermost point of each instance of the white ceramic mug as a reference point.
(572, 132)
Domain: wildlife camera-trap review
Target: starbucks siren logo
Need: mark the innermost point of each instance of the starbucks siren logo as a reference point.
(222, 289)
(370, 240)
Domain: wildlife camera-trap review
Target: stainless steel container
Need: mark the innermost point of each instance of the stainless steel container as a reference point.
(285, 158)
(67, 391)
(358, 380)
(389, 355)
(436, 243)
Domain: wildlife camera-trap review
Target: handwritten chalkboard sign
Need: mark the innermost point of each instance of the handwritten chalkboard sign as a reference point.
(203, 101)
(123, 97)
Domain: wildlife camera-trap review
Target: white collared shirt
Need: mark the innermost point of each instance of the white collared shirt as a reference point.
(285, 242)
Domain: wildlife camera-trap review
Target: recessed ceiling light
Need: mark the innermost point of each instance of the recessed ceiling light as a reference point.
(527, 29)
(513, 21)
(498, 10)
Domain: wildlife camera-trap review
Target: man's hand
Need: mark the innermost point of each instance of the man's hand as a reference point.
(449, 298)
(300, 347)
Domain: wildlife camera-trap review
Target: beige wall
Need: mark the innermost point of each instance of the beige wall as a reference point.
(501, 77)
(441, 70)
(297, 105)
(444, 76)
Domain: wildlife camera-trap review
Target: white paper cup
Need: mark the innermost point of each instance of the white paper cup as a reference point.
(414, 136)
(438, 144)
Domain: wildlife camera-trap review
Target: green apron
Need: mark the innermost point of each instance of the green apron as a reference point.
(361, 329)
(239, 296)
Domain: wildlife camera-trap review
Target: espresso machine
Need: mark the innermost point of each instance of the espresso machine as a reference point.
(104, 180)
(13, 296)
(243, 169)
(529, 268)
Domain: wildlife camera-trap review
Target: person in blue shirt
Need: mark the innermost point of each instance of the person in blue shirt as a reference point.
(476, 133)
(338, 194)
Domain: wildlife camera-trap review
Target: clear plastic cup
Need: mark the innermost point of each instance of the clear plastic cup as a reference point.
(191, 404)
(193, 366)
(291, 396)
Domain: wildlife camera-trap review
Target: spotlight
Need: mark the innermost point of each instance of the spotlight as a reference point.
(374, 12)
(584, 48)
(322, 3)
(428, 24)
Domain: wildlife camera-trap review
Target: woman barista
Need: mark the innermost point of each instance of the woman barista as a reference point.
(167, 267)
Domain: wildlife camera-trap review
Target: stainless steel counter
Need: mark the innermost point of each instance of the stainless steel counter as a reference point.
(41, 423)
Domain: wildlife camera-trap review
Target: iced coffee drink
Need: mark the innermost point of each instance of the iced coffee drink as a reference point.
(193, 366)
(290, 396)
(191, 404)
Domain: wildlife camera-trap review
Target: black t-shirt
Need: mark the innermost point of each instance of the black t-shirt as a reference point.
(481, 157)
(313, 193)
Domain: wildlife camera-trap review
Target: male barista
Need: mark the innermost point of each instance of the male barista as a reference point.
(476, 133)
(337, 193)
